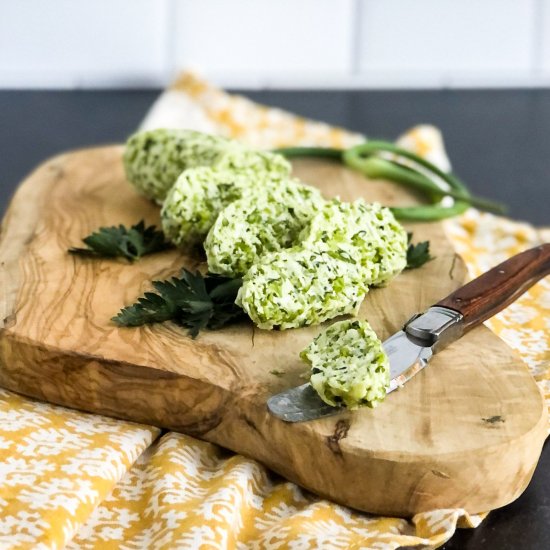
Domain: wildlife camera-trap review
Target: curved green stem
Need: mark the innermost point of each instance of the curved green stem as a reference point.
(360, 157)
(434, 212)
(364, 159)
(376, 167)
(369, 148)
(428, 213)
(322, 152)
(355, 157)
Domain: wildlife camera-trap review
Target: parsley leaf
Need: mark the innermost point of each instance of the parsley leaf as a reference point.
(132, 244)
(417, 254)
(191, 300)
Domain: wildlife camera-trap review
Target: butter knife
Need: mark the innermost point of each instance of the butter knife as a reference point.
(410, 349)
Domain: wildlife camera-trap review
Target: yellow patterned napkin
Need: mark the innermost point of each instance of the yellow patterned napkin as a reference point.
(483, 241)
(84, 481)
(56, 466)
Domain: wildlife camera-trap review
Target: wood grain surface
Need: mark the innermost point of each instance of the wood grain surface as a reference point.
(466, 432)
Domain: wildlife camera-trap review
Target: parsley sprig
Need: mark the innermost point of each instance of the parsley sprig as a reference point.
(192, 300)
(417, 254)
(132, 244)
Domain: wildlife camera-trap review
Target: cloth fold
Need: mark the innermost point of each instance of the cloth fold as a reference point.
(85, 481)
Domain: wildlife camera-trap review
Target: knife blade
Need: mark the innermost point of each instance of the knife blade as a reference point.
(407, 357)
(409, 350)
(303, 403)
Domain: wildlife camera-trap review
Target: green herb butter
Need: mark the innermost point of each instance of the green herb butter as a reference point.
(348, 365)
(153, 160)
(195, 200)
(240, 159)
(365, 234)
(298, 287)
(268, 220)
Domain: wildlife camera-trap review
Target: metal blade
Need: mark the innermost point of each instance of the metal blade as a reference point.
(302, 403)
(406, 358)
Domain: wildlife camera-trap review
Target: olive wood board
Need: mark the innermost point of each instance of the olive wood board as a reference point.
(466, 432)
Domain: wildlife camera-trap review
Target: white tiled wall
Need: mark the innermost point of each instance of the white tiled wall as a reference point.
(275, 43)
(79, 43)
(447, 40)
(258, 39)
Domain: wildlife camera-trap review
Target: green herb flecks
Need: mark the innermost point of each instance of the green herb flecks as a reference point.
(417, 254)
(132, 244)
(192, 300)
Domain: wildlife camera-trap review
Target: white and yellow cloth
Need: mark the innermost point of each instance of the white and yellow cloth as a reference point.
(74, 480)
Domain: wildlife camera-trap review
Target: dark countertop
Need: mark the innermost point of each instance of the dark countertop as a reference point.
(497, 141)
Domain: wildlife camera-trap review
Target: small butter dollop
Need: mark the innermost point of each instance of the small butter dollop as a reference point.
(361, 233)
(348, 365)
(266, 220)
(154, 159)
(298, 287)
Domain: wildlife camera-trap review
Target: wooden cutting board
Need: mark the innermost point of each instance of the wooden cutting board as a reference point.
(466, 432)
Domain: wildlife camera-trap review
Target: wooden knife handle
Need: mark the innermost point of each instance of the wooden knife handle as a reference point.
(491, 292)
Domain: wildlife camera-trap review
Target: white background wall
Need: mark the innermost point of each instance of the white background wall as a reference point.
(275, 43)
